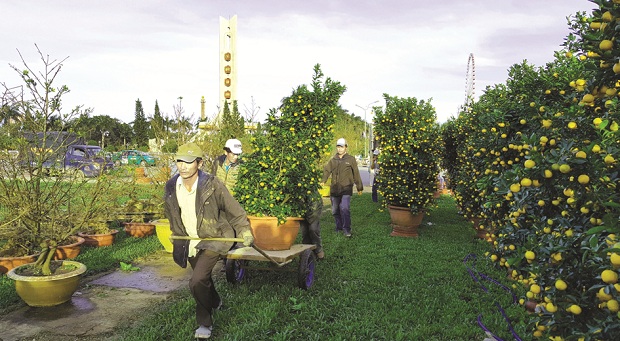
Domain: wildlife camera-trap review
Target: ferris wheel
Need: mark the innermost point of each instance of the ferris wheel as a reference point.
(470, 81)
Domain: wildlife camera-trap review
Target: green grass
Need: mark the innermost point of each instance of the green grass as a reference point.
(369, 287)
(97, 260)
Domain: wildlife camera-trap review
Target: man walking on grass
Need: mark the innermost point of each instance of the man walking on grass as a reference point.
(344, 172)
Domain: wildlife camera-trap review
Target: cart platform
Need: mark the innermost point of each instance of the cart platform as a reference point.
(237, 262)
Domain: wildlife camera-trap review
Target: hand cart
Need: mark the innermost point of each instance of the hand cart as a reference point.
(238, 260)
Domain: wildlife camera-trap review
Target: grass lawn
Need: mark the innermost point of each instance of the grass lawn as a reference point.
(369, 287)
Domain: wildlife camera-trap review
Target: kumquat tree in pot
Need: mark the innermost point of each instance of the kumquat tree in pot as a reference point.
(278, 177)
(545, 146)
(410, 152)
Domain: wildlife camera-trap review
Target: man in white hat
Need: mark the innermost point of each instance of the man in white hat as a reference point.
(344, 173)
(225, 167)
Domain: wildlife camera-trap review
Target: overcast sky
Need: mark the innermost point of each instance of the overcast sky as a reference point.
(120, 50)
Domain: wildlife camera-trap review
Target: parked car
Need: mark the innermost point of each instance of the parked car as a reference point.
(62, 152)
(134, 157)
(89, 160)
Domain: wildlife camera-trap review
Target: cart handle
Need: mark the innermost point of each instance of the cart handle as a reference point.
(210, 239)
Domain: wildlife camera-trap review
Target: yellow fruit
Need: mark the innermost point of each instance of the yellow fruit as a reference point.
(614, 259)
(560, 285)
(574, 309)
(572, 125)
(535, 288)
(607, 17)
(548, 174)
(616, 68)
(515, 188)
(525, 182)
(529, 255)
(609, 159)
(529, 164)
(606, 45)
(613, 305)
(541, 203)
(546, 123)
(602, 296)
(564, 168)
(609, 276)
(596, 148)
(588, 98)
(551, 307)
(581, 154)
(583, 179)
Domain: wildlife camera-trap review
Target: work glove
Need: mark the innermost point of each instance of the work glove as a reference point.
(248, 239)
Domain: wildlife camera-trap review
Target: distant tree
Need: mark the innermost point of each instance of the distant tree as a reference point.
(232, 124)
(140, 127)
(158, 128)
(92, 129)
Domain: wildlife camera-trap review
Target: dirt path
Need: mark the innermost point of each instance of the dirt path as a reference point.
(100, 304)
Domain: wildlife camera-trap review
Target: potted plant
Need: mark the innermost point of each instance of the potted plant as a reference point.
(47, 282)
(409, 159)
(277, 178)
(42, 198)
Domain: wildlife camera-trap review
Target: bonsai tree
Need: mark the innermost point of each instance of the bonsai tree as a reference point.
(41, 204)
(410, 152)
(282, 171)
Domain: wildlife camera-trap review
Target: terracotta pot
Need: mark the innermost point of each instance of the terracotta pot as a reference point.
(404, 223)
(8, 263)
(69, 251)
(268, 235)
(139, 230)
(46, 291)
(104, 239)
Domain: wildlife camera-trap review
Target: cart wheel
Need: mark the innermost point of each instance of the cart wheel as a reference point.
(235, 270)
(305, 276)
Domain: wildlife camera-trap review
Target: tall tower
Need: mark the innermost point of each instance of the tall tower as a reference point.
(228, 66)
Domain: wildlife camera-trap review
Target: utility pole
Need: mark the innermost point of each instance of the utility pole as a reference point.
(366, 130)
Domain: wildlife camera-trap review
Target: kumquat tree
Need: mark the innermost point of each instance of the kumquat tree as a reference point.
(542, 151)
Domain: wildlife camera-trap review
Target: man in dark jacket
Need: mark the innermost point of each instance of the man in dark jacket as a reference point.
(344, 172)
(198, 205)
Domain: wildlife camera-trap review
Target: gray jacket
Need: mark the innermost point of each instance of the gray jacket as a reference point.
(344, 173)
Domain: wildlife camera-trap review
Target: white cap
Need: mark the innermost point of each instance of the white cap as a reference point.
(234, 145)
(341, 142)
